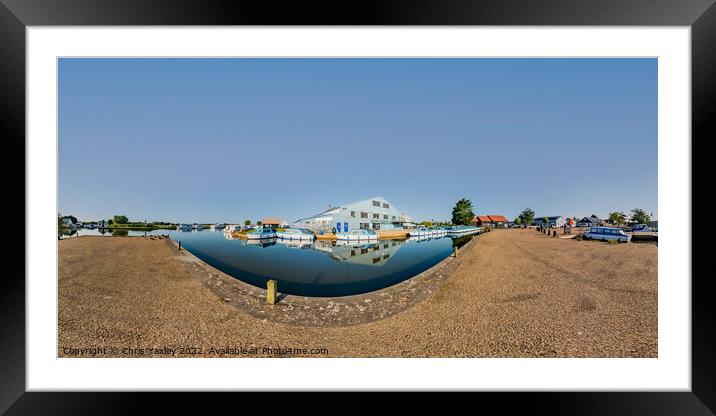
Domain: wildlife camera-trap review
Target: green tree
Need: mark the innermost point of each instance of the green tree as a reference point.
(259, 223)
(462, 214)
(545, 221)
(640, 216)
(527, 216)
(518, 221)
(247, 223)
(617, 218)
(427, 223)
(120, 219)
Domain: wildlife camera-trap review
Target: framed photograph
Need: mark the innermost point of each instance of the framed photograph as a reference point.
(464, 197)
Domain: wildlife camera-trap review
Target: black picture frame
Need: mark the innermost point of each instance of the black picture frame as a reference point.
(16, 15)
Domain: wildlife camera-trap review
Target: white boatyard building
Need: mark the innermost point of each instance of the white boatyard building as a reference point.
(375, 213)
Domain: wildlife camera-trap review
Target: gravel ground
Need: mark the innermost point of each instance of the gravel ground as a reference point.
(514, 293)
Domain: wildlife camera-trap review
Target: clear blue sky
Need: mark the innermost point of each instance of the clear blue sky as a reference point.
(223, 140)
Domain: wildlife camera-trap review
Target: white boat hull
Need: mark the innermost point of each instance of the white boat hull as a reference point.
(260, 236)
(297, 237)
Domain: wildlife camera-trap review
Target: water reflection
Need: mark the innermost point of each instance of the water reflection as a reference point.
(302, 244)
(319, 268)
(458, 242)
(263, 243)
(369, 254)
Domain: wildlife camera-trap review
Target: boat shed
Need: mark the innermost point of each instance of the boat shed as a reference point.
(494, 221)
(375, 213)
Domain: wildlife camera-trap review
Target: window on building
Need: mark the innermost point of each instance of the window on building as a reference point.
(376, 203)
(376, 216)
(393, 217)
(364, 215)
(353, 214)
(364, 226)
(385, 205)
(385, 217)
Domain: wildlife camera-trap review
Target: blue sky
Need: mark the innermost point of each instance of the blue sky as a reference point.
(223, 140)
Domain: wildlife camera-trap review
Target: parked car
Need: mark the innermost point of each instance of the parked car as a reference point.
(607, 233)
(640, 228)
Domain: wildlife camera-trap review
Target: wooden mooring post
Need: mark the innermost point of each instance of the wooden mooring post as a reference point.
(454, 251)
(271, 287)
(180, 246)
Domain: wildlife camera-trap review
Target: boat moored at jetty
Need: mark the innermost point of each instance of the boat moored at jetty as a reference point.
(438, 231)
(216, 227)
(198, 227)
(261, 233)
(462, 229)
(606, 234)
(358, 235)
(421, 232)
(295, 234)
(184, 227)
(232, 228)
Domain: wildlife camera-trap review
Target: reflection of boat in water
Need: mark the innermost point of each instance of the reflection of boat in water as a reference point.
(358, 235)
(295, 234)
(230, 236)
(216, 227)
(420, 238)
(369, 254)
(325, 246)
(261, 242)
(294, 243)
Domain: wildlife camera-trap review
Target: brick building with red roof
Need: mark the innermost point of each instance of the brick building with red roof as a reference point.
(495, 221)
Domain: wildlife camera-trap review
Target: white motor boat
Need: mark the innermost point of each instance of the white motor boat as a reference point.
(261, 234)
(420, 232)
(295, 234)
(358, 235)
